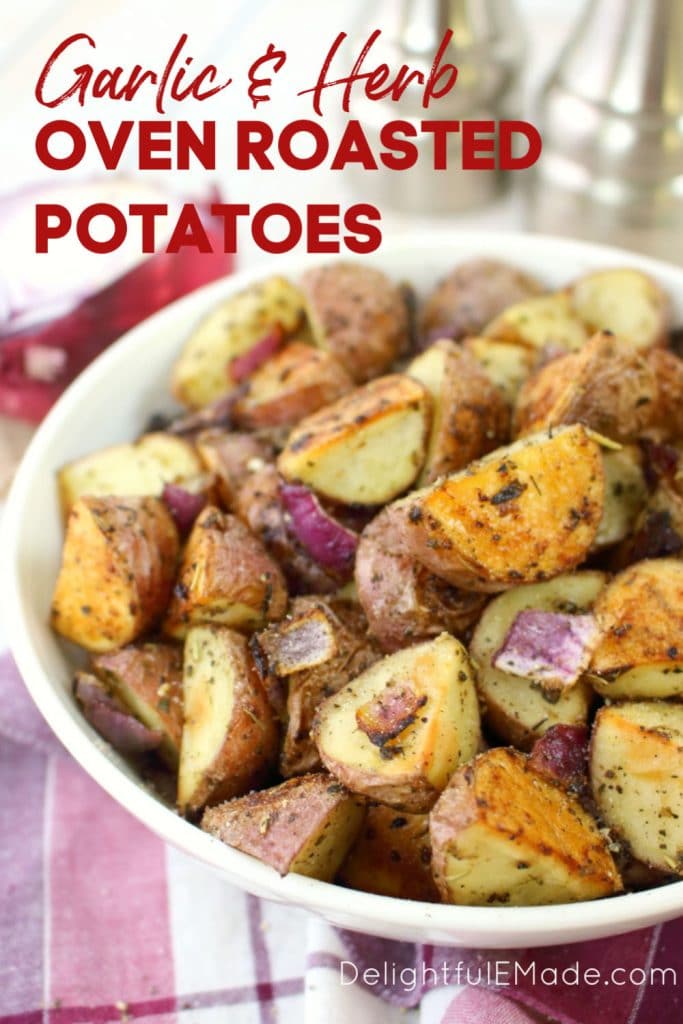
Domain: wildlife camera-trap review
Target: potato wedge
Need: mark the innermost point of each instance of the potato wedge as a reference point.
(469, 416)
(522, 514)
(114, 722)
(226, 576)
(128, 470)
(518, 710)
(295, 382)
(391, 856)
(232, 457)
(403, 601)
(625, 495)
(203, 370)
(148, 680)
(546, 321)
(636, 766)
(507, 366)
(229, 738)
(304, 826)
(399, 730)
(625, 301)
(358, 314)
(502, 834)
(365, 448)
(641, 618)
(118, 565)
(471, 295)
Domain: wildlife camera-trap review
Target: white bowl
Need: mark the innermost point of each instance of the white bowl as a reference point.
(110, 402)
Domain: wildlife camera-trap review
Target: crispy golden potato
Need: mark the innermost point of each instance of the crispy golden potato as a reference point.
(226, 576)
(516, 709)
(148, 680)
(507, 366)
(636, 766)
(305, 826)
(522, 514)
(502, 834)
(472, 295)
(667, 412)
(391, 856)
(627, 302)
(358, 314)
(625, 495)
(128, 470)
(229, 739)
(294, 383)
(608, 386)
(118, 565)
(469, 415)
(641, 619)
(367, 447)
(232, 457)
(309, 656)
(398, 731)
(403, 601)
(543, 322)
(203, 372)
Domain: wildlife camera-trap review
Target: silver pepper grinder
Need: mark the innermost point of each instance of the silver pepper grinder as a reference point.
(611, 119)
(487, 49)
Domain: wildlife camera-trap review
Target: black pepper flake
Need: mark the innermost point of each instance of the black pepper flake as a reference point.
(508, 493)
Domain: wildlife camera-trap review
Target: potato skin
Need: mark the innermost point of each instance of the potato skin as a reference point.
(667, 414)
(403, 601)
(232, 457)
(625, 301)
(358, 314)
(226, 576)
(471, 295)
(118, 564)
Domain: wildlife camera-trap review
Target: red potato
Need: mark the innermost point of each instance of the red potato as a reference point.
(232, 457)
(111, 720)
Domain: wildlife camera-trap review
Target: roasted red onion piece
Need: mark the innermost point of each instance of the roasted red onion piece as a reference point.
(332, 545)
(244, 365)
(551, 647)
(183, 505)
(125, 733)
(561, 754)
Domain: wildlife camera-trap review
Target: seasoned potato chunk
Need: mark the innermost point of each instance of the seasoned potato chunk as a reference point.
(522, 514)
(658, 530)
(391, 856)
(636, 767)
(641, 618)
(398, 731)
(519, 710)
(232, 458)
(469, 416)
(545, 322)
(294, 383)
(140, 468)
(502, 834)
(625, 495)
(365, 448)
(627, 302)
(667, 412)
(506, 365)
(226, 576)
(148, 680)
(118, 565)
(305, 825)
(229, 739)
(358, 314)
(204, 369)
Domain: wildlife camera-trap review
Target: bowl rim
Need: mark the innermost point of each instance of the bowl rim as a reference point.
(495, 926)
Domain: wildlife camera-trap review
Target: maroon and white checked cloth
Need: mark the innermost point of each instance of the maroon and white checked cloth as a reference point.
(101, 921)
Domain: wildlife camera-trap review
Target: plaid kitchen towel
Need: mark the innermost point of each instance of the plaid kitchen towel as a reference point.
(100, 921)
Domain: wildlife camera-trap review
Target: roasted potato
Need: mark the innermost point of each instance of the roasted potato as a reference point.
(641, 619)
(625, 495)
(658, 530)
(232, 457)
(114, 723)
(522, 514)
(128, 470)
(148, 681)
(367, 447)
(391, 856)
(358, 315)
(507, 366)
(516, 709)
(471, 296)
(627, 302)
(305, 826)
(469, 415)
(403, 601)
(636, 766)
(229, 739)
(294, 383)
(667, 412)
(502, 834)
(226, 576)
(204, 370)
(543, 322)
(118, 566)
(398, 731)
